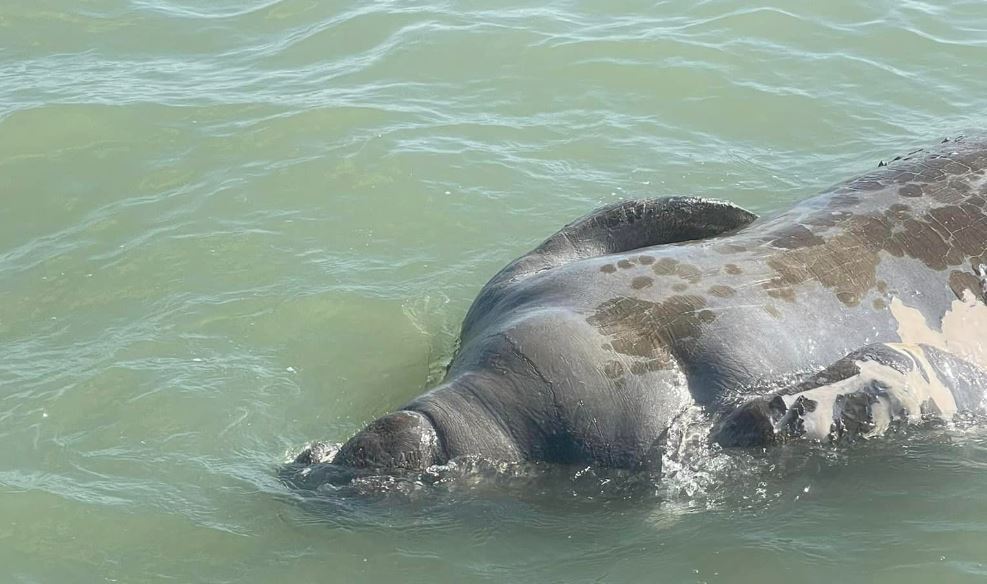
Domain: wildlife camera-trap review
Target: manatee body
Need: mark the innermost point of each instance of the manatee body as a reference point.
(855, 310)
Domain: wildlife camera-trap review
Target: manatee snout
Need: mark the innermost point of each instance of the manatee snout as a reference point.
(401, 441)
(398, 443)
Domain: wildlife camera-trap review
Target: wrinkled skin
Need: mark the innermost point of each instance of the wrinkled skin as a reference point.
(586, 349)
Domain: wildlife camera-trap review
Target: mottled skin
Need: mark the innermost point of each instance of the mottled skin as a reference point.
(586, 349)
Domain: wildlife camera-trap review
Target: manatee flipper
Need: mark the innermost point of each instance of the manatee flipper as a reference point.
(862, 395)
(629, 225)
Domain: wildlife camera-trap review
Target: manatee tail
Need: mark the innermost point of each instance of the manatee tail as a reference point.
(626, 226)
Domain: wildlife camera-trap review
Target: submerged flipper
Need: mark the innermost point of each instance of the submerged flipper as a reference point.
(629, 225)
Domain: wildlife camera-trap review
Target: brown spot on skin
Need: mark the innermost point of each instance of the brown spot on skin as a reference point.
(910, 190)
(688, 273)
(964, 225)
(880, 304)
(904, 177)
(898, 212)
(652, 330)
(844, 263)
(722, 291)
(943, 225)
(865, 184)
(729, 248)
(848, 298)
(956, 168)
(932, 169)
(641, 282)
(783, 293)
(953, 192)
(844, 200)
(613, 369)
(921, 241)
(972, 209)
(960, 189)
(608, 269)
(847, 262)
(825, 218)
(794, 237)
(960, 282)
(665, 266)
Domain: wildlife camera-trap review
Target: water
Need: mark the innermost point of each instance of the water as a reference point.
(232, 227)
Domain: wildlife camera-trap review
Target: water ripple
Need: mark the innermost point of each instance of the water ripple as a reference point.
(236, 227)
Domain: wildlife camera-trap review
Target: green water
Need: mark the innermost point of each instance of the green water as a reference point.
(229, 227)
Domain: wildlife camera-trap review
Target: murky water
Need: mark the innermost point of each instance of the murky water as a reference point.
(228, 228)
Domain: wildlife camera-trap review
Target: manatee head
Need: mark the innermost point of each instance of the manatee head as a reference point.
(401, 441)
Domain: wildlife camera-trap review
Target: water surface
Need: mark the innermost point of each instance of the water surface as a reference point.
(232, 227)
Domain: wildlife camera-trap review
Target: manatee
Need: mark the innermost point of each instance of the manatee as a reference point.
(855, 311)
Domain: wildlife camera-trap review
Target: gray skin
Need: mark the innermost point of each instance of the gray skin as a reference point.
(586, 349)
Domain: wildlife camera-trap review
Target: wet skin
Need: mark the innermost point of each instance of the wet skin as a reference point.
(586, 349)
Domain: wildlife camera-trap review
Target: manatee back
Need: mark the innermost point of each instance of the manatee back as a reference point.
(614, 229)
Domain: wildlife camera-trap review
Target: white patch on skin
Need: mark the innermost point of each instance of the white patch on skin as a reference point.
(961, 332)
(902, 397)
